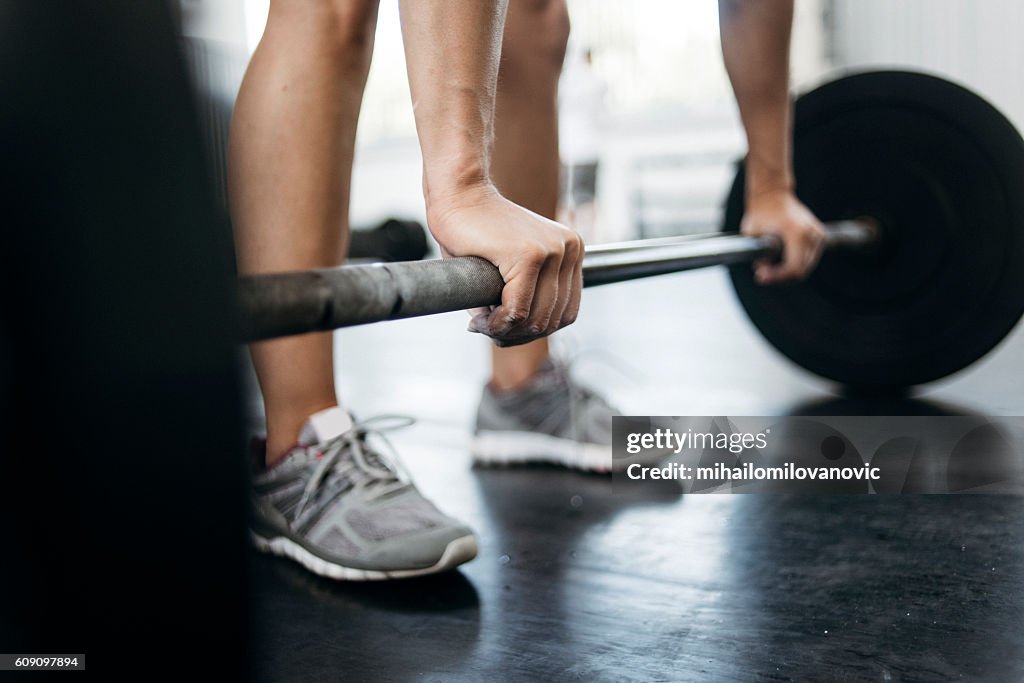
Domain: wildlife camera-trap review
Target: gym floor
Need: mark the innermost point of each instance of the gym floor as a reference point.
(575, 581)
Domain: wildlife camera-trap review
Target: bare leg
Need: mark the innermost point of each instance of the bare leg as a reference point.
(290, 154)
(525, 161)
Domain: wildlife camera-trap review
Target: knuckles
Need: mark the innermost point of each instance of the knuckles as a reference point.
(536, 253)
(574, 245)
(517, 314)
(556, 250)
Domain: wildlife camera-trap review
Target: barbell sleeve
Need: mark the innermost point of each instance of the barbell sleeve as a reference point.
(282, 304)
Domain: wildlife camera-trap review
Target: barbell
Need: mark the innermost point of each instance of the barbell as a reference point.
(921, 183)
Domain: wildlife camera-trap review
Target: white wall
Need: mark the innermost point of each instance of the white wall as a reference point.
(809, 55)
(979, 43)
(221, 21)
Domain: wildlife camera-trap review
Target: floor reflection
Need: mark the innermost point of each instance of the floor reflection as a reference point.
(890, 405)
(606, 575)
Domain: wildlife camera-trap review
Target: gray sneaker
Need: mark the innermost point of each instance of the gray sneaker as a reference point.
(553, 419)
(343, 510)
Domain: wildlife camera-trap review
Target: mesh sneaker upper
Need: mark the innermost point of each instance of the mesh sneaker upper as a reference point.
(349, 504)
(553, 403)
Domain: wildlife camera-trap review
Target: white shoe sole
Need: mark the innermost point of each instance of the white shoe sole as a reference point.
(517, 448)
(459, 551)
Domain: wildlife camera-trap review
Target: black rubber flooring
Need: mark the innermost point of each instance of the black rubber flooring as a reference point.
(577, 582)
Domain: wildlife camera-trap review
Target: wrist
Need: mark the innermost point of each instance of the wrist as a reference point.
(447, 198)
(454, 176)
(763, 181)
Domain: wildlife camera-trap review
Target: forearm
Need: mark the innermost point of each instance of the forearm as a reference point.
(755, 44)
(452, 51)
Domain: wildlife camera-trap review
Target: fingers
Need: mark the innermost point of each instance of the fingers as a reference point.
(539, 260)
(516, 300)
(478, 318)
(530, 296)
(550, 280)
(566, 285)
(803, 246)
(547, 297)
(789, 268)
(818, 245)
(576, 284)
(570, 282)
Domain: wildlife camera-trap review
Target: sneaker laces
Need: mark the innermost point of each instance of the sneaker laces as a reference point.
(364, 467)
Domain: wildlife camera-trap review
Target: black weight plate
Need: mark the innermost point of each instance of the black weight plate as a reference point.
(943, 171)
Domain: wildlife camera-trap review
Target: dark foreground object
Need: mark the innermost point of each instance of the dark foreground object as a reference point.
(123, 506)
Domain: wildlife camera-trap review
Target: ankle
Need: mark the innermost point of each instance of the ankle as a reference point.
(514, 368)
(276, 450)
(508, 380)
(284, 431)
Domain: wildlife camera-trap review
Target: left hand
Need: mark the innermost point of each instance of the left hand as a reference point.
(779, 212)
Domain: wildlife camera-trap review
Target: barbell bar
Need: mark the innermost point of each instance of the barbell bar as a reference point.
(281, 304)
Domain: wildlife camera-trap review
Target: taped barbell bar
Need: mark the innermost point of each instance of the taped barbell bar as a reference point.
(283, 304)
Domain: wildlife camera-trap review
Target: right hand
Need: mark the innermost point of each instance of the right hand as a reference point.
(540, 260)
(803, 236)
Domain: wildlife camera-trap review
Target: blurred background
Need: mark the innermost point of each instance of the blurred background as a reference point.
(669, 129)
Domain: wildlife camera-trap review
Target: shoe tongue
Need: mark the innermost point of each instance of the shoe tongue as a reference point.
(325, 425)
(548, 375)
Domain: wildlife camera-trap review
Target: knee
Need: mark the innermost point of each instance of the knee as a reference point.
(346, 27)
(536, 35)
(349, 24)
